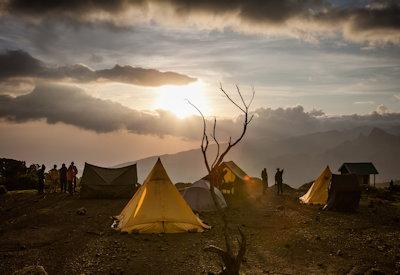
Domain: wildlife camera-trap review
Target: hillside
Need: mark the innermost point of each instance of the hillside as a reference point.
(303, 157)
(284, 237)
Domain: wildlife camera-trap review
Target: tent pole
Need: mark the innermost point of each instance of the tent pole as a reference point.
(374, 180)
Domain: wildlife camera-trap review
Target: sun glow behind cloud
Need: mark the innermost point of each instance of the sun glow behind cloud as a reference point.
(174, 99)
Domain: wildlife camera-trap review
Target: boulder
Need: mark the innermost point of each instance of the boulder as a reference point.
(81, 211)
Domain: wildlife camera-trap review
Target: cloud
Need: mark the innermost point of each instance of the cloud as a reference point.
(382, 109)
(94, 58)
(376, 22)
(71, 105)
(143, 77)
(364, 102)
(20, 64)
(317, 112)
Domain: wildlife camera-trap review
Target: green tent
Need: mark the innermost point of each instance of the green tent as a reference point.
(101, 182)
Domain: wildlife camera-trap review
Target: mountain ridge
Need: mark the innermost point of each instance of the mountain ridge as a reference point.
(303, 156)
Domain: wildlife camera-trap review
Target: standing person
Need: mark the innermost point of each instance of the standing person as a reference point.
(279, 180)
(71, 178)
(264, 177)
(63, 178)
(40, 174)
(54, 178)
(75, 173)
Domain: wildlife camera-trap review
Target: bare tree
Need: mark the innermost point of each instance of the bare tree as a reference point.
(231, 259)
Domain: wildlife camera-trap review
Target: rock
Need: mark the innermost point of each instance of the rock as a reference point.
(31, 270)
(81, 211)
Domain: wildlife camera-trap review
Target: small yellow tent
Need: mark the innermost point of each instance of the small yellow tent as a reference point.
(318, 192)
(158, 207)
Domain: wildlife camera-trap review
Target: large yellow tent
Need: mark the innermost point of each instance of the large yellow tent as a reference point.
(318, 192)
(158, 207)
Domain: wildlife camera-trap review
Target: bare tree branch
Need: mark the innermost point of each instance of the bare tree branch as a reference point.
(231, 261)
(204, 140)
(214, 136)
(251, 118)
(230, 99)
(240, 94)
(252, 97)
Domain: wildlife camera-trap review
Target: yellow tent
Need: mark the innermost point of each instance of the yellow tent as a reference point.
(318, 192)
(158, 207)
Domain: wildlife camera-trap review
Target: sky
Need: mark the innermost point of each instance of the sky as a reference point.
(108, 81)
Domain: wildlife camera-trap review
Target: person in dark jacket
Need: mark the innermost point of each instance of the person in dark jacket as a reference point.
(40, 174)
(264, 177)
(63, 178)
(279, 180)
(71, 178)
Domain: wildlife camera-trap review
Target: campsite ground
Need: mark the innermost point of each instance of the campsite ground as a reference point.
(283, 237)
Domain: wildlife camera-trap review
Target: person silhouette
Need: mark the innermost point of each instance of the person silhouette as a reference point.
(279, 180)
(41, 175)
(264, 177)
(63, 178)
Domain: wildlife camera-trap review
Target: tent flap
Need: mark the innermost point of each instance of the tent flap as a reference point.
(318, 192)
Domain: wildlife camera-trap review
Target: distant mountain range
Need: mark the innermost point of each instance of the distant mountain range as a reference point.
(303, 157)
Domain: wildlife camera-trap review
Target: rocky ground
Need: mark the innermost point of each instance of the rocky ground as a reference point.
(284, 237)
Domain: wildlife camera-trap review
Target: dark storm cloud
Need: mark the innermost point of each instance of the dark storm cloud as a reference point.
(71, 105)
(376, 22)
(72, 7)
(144, 77)
(19, 64)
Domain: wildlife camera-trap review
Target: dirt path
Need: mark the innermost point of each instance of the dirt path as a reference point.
(284, 237)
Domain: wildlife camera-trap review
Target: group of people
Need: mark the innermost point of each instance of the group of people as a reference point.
(278, 180)
(64, 177)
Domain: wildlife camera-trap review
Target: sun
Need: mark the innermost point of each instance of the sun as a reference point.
(174, 99)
